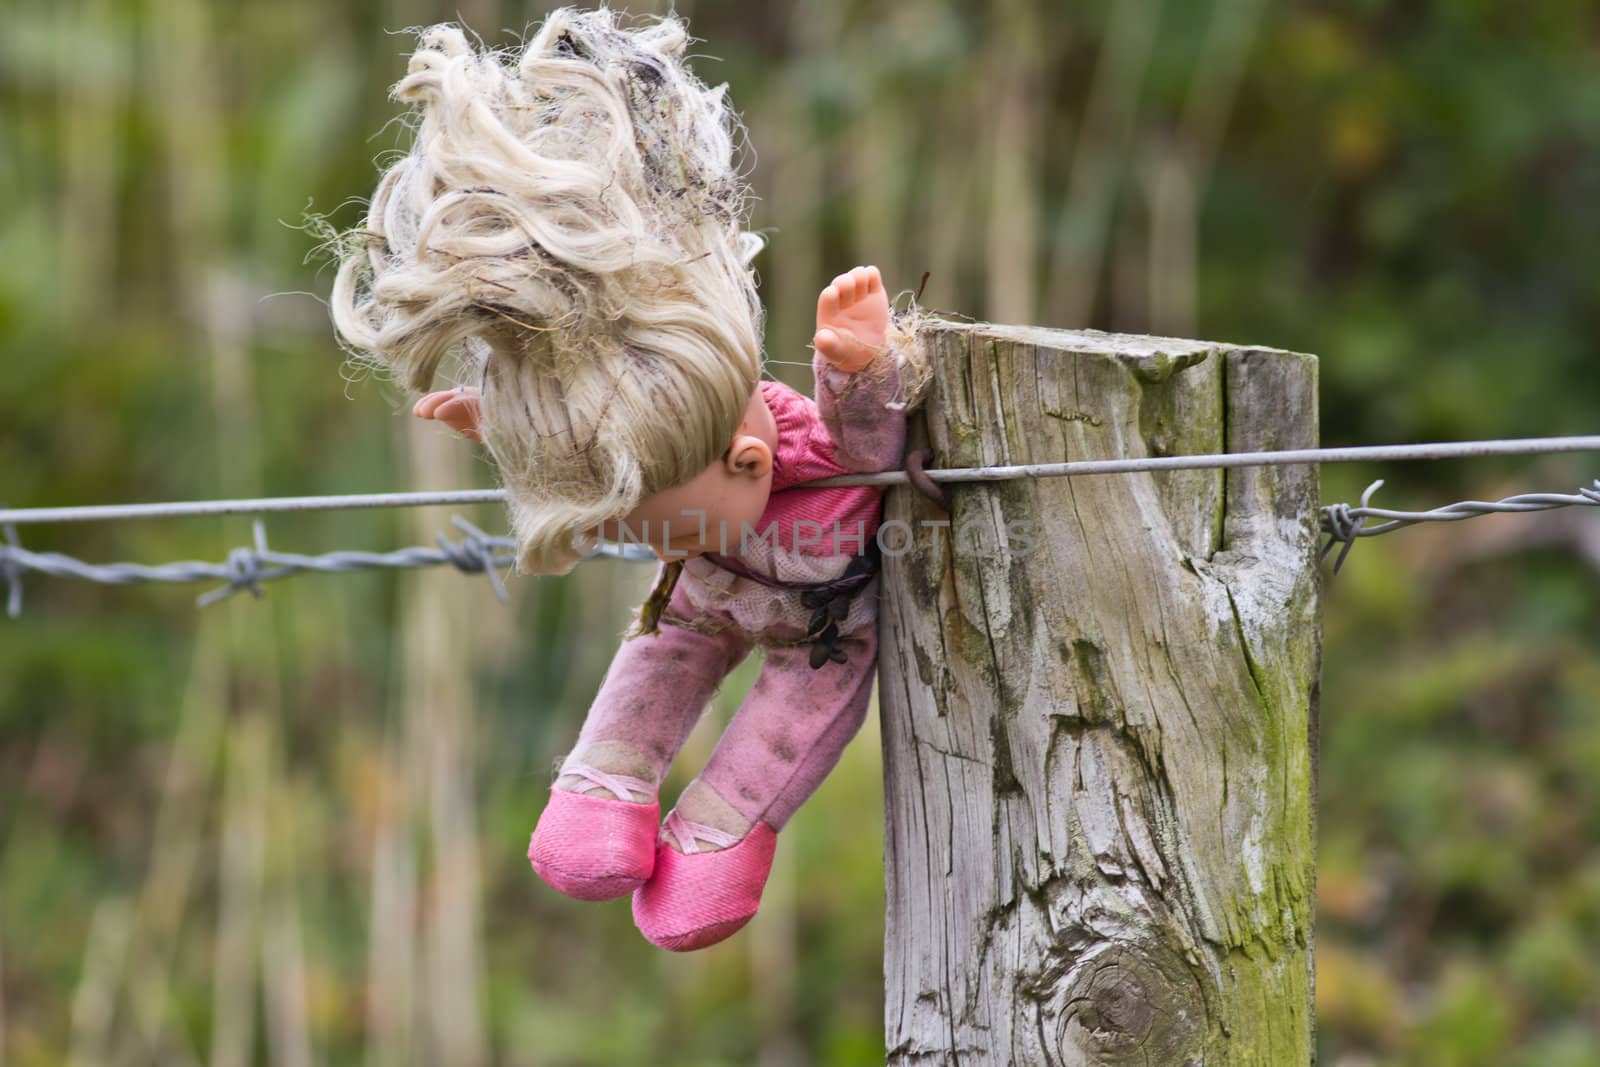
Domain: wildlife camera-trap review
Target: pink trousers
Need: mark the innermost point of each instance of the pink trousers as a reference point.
(786, 736)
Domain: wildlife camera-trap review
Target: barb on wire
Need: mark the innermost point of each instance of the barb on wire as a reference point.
(1345, 524)
(12, 569)
(248, 568)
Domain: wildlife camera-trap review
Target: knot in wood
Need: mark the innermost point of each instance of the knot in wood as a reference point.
(1131, 1004)
(1117, 1010)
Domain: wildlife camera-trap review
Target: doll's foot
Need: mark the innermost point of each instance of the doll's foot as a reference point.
(596, 847)
(697, 897)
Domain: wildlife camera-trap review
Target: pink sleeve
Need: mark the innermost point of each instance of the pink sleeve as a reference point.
(863, 412)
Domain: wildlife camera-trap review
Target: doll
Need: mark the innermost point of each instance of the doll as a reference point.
(569, 223)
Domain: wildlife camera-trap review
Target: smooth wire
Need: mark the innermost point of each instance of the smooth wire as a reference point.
(1526, 446)
(1359, 454)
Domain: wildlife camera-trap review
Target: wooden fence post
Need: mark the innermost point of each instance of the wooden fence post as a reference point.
(1099, 703)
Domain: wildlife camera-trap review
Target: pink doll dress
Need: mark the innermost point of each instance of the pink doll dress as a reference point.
(792, 727)
(805, 537)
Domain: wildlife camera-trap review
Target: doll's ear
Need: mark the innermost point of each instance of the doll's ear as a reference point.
(748, 456)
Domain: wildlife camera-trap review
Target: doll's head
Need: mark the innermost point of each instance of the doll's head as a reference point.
(711, 510)
(570, 222)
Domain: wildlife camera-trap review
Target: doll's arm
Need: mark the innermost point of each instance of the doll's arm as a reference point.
(457, 408)
(852, 319)
(858, 376)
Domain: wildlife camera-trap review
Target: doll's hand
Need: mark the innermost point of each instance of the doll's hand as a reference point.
(852, 319)
(456, 408)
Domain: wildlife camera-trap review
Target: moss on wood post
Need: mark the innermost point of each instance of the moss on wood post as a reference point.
(1098, 700)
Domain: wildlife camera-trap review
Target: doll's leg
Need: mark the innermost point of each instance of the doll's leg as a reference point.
(718, 844)
(791, 730)
(596, 837)
(654, 692)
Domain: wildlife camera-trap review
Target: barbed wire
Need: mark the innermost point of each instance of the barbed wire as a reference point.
(482, 553)
(246, 568)
(1345, 524)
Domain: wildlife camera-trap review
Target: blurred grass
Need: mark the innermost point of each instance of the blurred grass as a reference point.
(291, 831)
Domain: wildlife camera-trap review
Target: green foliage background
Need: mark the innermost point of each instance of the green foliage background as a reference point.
(291, 831)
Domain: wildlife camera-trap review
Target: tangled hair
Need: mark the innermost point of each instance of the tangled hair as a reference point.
(570, 219)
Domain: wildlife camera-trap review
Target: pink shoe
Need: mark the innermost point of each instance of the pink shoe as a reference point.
(694, 898)
(596, 848)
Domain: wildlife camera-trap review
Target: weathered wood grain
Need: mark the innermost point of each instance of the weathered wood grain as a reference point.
(1098, 701)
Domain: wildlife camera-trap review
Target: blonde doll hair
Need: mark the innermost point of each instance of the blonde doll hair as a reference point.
(570, 219)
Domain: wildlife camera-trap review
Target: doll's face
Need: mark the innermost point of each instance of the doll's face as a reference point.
(707, 512)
